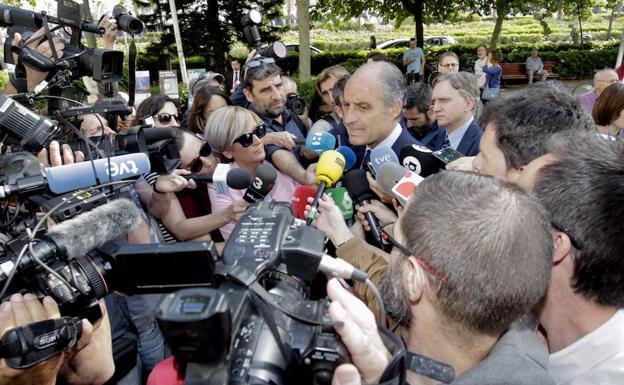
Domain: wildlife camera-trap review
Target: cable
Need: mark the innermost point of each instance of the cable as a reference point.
(13, 270)
(382, 307)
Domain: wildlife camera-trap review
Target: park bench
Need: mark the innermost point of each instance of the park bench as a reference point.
(517, 71)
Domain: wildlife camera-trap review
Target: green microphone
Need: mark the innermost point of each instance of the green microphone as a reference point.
(343, 200)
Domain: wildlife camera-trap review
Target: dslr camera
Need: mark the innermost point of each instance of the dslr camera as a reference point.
(251, 21)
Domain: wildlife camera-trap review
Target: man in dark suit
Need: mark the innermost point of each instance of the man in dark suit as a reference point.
(453, 102)
(373, 100)
(234, 77)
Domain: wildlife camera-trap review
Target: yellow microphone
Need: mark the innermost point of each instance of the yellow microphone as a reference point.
(329, 170)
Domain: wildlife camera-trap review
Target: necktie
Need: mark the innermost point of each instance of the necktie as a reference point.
(447, 142)
(366, 159)
(235, 77)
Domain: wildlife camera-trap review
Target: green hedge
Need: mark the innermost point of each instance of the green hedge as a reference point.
(570, 61)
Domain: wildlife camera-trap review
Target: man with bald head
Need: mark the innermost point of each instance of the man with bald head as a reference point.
(602, 80)
(373, 101)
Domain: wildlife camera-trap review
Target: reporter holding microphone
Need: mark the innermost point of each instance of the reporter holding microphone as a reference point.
(236, 133)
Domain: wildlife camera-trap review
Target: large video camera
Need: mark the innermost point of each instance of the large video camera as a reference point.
(251, 21)
(243, 318)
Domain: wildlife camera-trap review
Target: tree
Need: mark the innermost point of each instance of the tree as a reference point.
(303, 21)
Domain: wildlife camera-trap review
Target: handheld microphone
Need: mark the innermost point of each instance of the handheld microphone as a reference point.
(343, 200)
(420, 160)
(320, 141)
(62, 179)
(381, 155)
(265, 178)
(236, 178)
(349, 156)
(355, 181)
(388, 176)
(405, 187)
(300, 200)
(328, 170)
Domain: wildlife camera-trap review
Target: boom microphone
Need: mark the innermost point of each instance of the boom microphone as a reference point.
(265, 178)
(355, 181)
(328, 170)
(420, 160)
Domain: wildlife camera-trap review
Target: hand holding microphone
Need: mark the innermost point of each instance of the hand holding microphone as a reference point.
(330, 220)
(328, 171)
(174, 182)
(378, 210)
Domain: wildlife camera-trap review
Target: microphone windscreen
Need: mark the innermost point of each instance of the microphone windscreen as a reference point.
(320, 141)
(156, 134)
(300, 200)
(420, 160)
(330, 167)
(265, 178)
(389, 175)
(93, 228)
(355, 181)
(70, 177)
(349, 156)
(238, 178)
(341, 197)
(381, 155)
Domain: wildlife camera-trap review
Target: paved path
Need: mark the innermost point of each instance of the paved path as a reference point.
(576, 86)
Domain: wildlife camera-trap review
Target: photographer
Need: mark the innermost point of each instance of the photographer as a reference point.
(457, 283)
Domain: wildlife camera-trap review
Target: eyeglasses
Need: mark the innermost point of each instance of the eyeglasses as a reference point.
(257, 62)
(421, 262)
(165, 118)
(246, 140)
(196, 165)
(450, 65)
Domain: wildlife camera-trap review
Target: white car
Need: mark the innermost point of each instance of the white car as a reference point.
(290, 48)
(429, 41)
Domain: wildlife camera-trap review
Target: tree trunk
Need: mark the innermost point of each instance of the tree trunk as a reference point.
(416, 8)
(501, 13)
(303, 17)
(579, 12)
(91, 42)
(218, 51)
(611, 19)
(288, 13)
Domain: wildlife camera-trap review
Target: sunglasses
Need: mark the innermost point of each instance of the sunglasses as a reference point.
(257, 62)
(246, 140)
(196, 165)
(165, 118)
(424, 264)
(450, 65)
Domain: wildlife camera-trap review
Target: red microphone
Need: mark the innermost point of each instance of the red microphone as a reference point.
(300, 200)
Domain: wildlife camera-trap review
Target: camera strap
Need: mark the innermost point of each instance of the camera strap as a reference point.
(28, 345)
(132, 52)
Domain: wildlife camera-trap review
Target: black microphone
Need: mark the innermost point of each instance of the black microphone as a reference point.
(265, 178)
(356, 183)
(237, 178)
(420, 160)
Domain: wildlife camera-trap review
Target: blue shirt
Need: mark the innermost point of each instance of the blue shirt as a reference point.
(416, 53)
(291, 123)
(493, 76)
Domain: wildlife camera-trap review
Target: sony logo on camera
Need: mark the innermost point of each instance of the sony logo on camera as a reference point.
(47, 340)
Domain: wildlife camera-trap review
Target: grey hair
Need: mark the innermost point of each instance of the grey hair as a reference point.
(390, 80)
(464, 82)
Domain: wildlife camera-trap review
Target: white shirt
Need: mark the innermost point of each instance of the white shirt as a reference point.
(390, 139)
(478, 70)
(456, 136)
(595, 359)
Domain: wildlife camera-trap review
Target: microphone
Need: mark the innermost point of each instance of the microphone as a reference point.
(405, 187)
(420, 160)
(236, 178)
(349, 156)
(70, 177)
(320, 141)
(341, 197)
(381, 155)
(260, 186)
(300, 200)
(94, 228)
(328, 170)
(388, 176)
(355, 181)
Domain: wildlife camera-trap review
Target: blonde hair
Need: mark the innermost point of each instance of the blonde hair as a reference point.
(335, 72)
(228, 123)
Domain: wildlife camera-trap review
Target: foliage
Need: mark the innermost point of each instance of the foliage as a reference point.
(305, 90)
(4, 80)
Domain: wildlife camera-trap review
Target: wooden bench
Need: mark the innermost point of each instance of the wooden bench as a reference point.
(517, 71)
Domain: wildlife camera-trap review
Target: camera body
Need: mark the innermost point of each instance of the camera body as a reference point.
(295, 103)
(251, 21)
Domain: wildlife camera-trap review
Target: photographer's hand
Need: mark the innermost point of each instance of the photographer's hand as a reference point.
(20, 311)
(51, 157)
(358, 332)
(110, 31)
(174, 182)
(34, 77)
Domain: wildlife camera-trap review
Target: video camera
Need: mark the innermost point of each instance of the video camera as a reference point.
(251, 21)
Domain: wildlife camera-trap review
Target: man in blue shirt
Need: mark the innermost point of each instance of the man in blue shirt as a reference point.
(414, 60)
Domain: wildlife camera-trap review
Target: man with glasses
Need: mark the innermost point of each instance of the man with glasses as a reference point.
(285, 130)
(461, 275)
(414, 60)
(449, 62)
(602, 79)
(453, 101)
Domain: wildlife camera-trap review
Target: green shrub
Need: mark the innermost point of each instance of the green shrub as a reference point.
(4, 80)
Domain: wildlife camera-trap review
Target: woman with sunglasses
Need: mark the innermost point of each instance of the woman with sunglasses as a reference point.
(161, 108)
(236, 133)
(207, 100)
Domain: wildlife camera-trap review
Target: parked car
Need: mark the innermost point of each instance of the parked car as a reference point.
(290, 48)
(429, 41)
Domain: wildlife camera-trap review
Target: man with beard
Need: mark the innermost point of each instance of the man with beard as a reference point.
(456, 283)
(263, 89)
